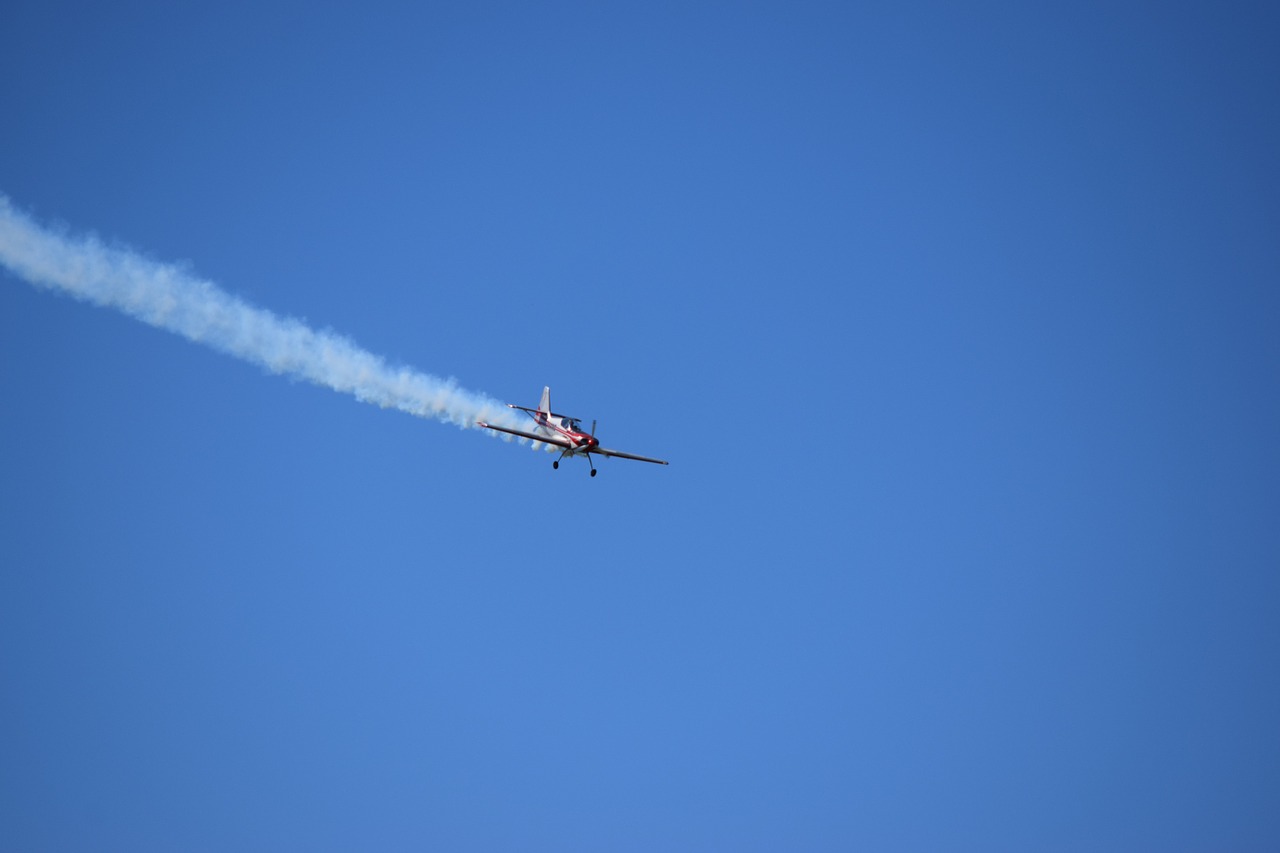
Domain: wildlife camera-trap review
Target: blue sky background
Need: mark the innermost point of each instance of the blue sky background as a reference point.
(957, 324)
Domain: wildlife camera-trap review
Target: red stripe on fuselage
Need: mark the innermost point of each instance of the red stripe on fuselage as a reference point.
(579, 440)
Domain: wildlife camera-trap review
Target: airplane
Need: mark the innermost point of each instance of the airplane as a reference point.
(564, 432)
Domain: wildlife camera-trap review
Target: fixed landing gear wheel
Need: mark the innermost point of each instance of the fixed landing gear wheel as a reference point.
(593, 472)
(555, 464)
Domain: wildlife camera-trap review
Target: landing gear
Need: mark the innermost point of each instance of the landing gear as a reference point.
(556, 464)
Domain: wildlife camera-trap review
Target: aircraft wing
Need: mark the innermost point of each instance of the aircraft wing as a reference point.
(604, 451)
(532, 436)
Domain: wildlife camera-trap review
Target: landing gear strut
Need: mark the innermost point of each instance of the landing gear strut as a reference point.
(556, 463)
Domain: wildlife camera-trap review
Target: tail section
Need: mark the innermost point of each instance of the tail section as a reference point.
(545, 405)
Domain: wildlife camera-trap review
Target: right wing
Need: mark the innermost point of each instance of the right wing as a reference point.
(532, 436)
(604, 451)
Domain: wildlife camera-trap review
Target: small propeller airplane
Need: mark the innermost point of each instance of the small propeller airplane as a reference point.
(564, 432)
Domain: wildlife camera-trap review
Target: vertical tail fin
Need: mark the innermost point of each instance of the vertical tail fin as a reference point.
(545, 405)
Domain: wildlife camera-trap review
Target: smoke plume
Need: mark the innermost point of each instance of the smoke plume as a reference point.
(170, 298)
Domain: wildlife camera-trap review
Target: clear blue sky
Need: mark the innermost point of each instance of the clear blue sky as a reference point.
(959, 325)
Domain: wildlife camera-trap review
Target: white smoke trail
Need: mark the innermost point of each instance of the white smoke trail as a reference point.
(169, 298)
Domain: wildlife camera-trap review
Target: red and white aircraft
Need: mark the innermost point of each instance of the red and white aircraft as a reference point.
(564, 432)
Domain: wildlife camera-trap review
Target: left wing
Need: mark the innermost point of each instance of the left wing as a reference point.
(604, 451)
(533, 436)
